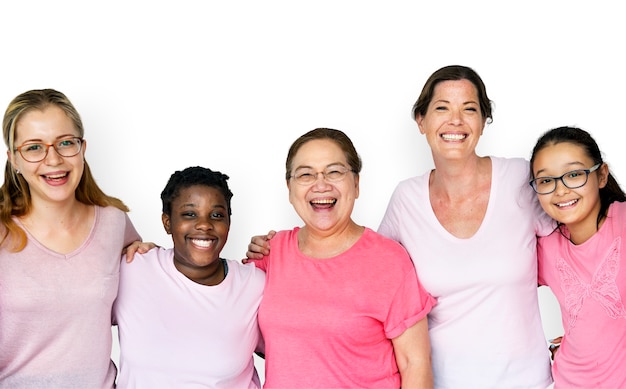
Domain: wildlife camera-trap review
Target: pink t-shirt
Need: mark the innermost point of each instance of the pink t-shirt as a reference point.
(589, 281)
(55, 309)
(327, 323)
(175, 333)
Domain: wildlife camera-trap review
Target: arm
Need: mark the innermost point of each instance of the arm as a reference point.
(412, 351)
(259, 246)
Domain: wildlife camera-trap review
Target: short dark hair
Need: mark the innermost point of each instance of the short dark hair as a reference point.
(191, 176)
(339, 137)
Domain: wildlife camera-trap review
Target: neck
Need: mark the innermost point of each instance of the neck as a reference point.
(458, 178)
(210, 275)
(326, 245)
(54, 214)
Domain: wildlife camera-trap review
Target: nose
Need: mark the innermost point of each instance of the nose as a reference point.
(204, 224)
(320, 180)
(52, 157)
(456, 116)
(560, 187)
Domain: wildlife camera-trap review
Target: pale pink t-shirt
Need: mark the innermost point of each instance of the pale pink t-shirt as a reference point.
(175, 333)
(589, 281)
(485, 330)
(328, 323)
(55, 309)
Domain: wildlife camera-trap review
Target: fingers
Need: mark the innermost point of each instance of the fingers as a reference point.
(254, 254)
(137, 247)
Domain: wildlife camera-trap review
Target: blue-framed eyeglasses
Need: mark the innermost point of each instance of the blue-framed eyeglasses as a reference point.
(572, 180)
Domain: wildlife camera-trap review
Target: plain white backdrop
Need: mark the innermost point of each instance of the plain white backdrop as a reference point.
(229, 85)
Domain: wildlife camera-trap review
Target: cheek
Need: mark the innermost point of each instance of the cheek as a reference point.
(544, 201)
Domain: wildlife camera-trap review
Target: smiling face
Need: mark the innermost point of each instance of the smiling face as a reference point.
(453, 122)
(55, 178)
(577, 208)
(325, 207)
(199, 224)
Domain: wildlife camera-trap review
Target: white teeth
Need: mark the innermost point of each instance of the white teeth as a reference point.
(54, 176)
(453, 136)
(567, 204)
(202, 242)
(323, 201)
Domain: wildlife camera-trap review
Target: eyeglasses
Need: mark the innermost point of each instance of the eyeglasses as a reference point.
(572, 180)
(36, 152)
(331, 174)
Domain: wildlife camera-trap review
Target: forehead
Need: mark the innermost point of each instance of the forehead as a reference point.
(49, 122)
(319, 152)
(200, 195)
(455, 87)
(561, 157)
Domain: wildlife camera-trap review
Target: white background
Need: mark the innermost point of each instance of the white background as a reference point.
(229, 85)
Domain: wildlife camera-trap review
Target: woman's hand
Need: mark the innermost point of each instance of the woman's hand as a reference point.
(137, 247)
(259, 246)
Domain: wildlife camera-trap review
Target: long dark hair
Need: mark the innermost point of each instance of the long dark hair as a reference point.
(612, 191)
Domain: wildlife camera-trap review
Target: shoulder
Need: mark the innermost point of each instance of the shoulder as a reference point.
(618, 209)
(111, 213)
(250, 275)
(284, 236)
(407, 189)
(520, 165)
(379, 242)
(412, 182)
(152, 258)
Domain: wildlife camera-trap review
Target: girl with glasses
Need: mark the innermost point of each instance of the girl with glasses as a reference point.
(583, 261)
(61, 240)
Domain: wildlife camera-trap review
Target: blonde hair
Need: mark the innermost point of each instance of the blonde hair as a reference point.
(15, 199)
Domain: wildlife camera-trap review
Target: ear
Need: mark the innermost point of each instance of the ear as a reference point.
(603, 175)
(356, 183)
(419, 119)
(165, 218)
(11, 159)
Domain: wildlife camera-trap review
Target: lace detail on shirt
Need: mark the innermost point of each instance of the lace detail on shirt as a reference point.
(602, 288)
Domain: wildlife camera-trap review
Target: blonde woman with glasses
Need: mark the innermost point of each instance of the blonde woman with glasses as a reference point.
(61, 240)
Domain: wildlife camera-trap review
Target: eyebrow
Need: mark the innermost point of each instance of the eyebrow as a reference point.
(448, 101)
(327, 166)
(194, 205)
(38, 140)
(579, 165)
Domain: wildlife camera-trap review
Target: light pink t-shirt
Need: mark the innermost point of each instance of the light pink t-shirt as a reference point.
(589, 281)
(485, 330)
(328, 323)
(175, 333)
(55, 309)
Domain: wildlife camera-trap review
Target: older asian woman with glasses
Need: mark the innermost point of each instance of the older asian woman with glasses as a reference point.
(343, 307)
(470, 227)
(60, 249)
